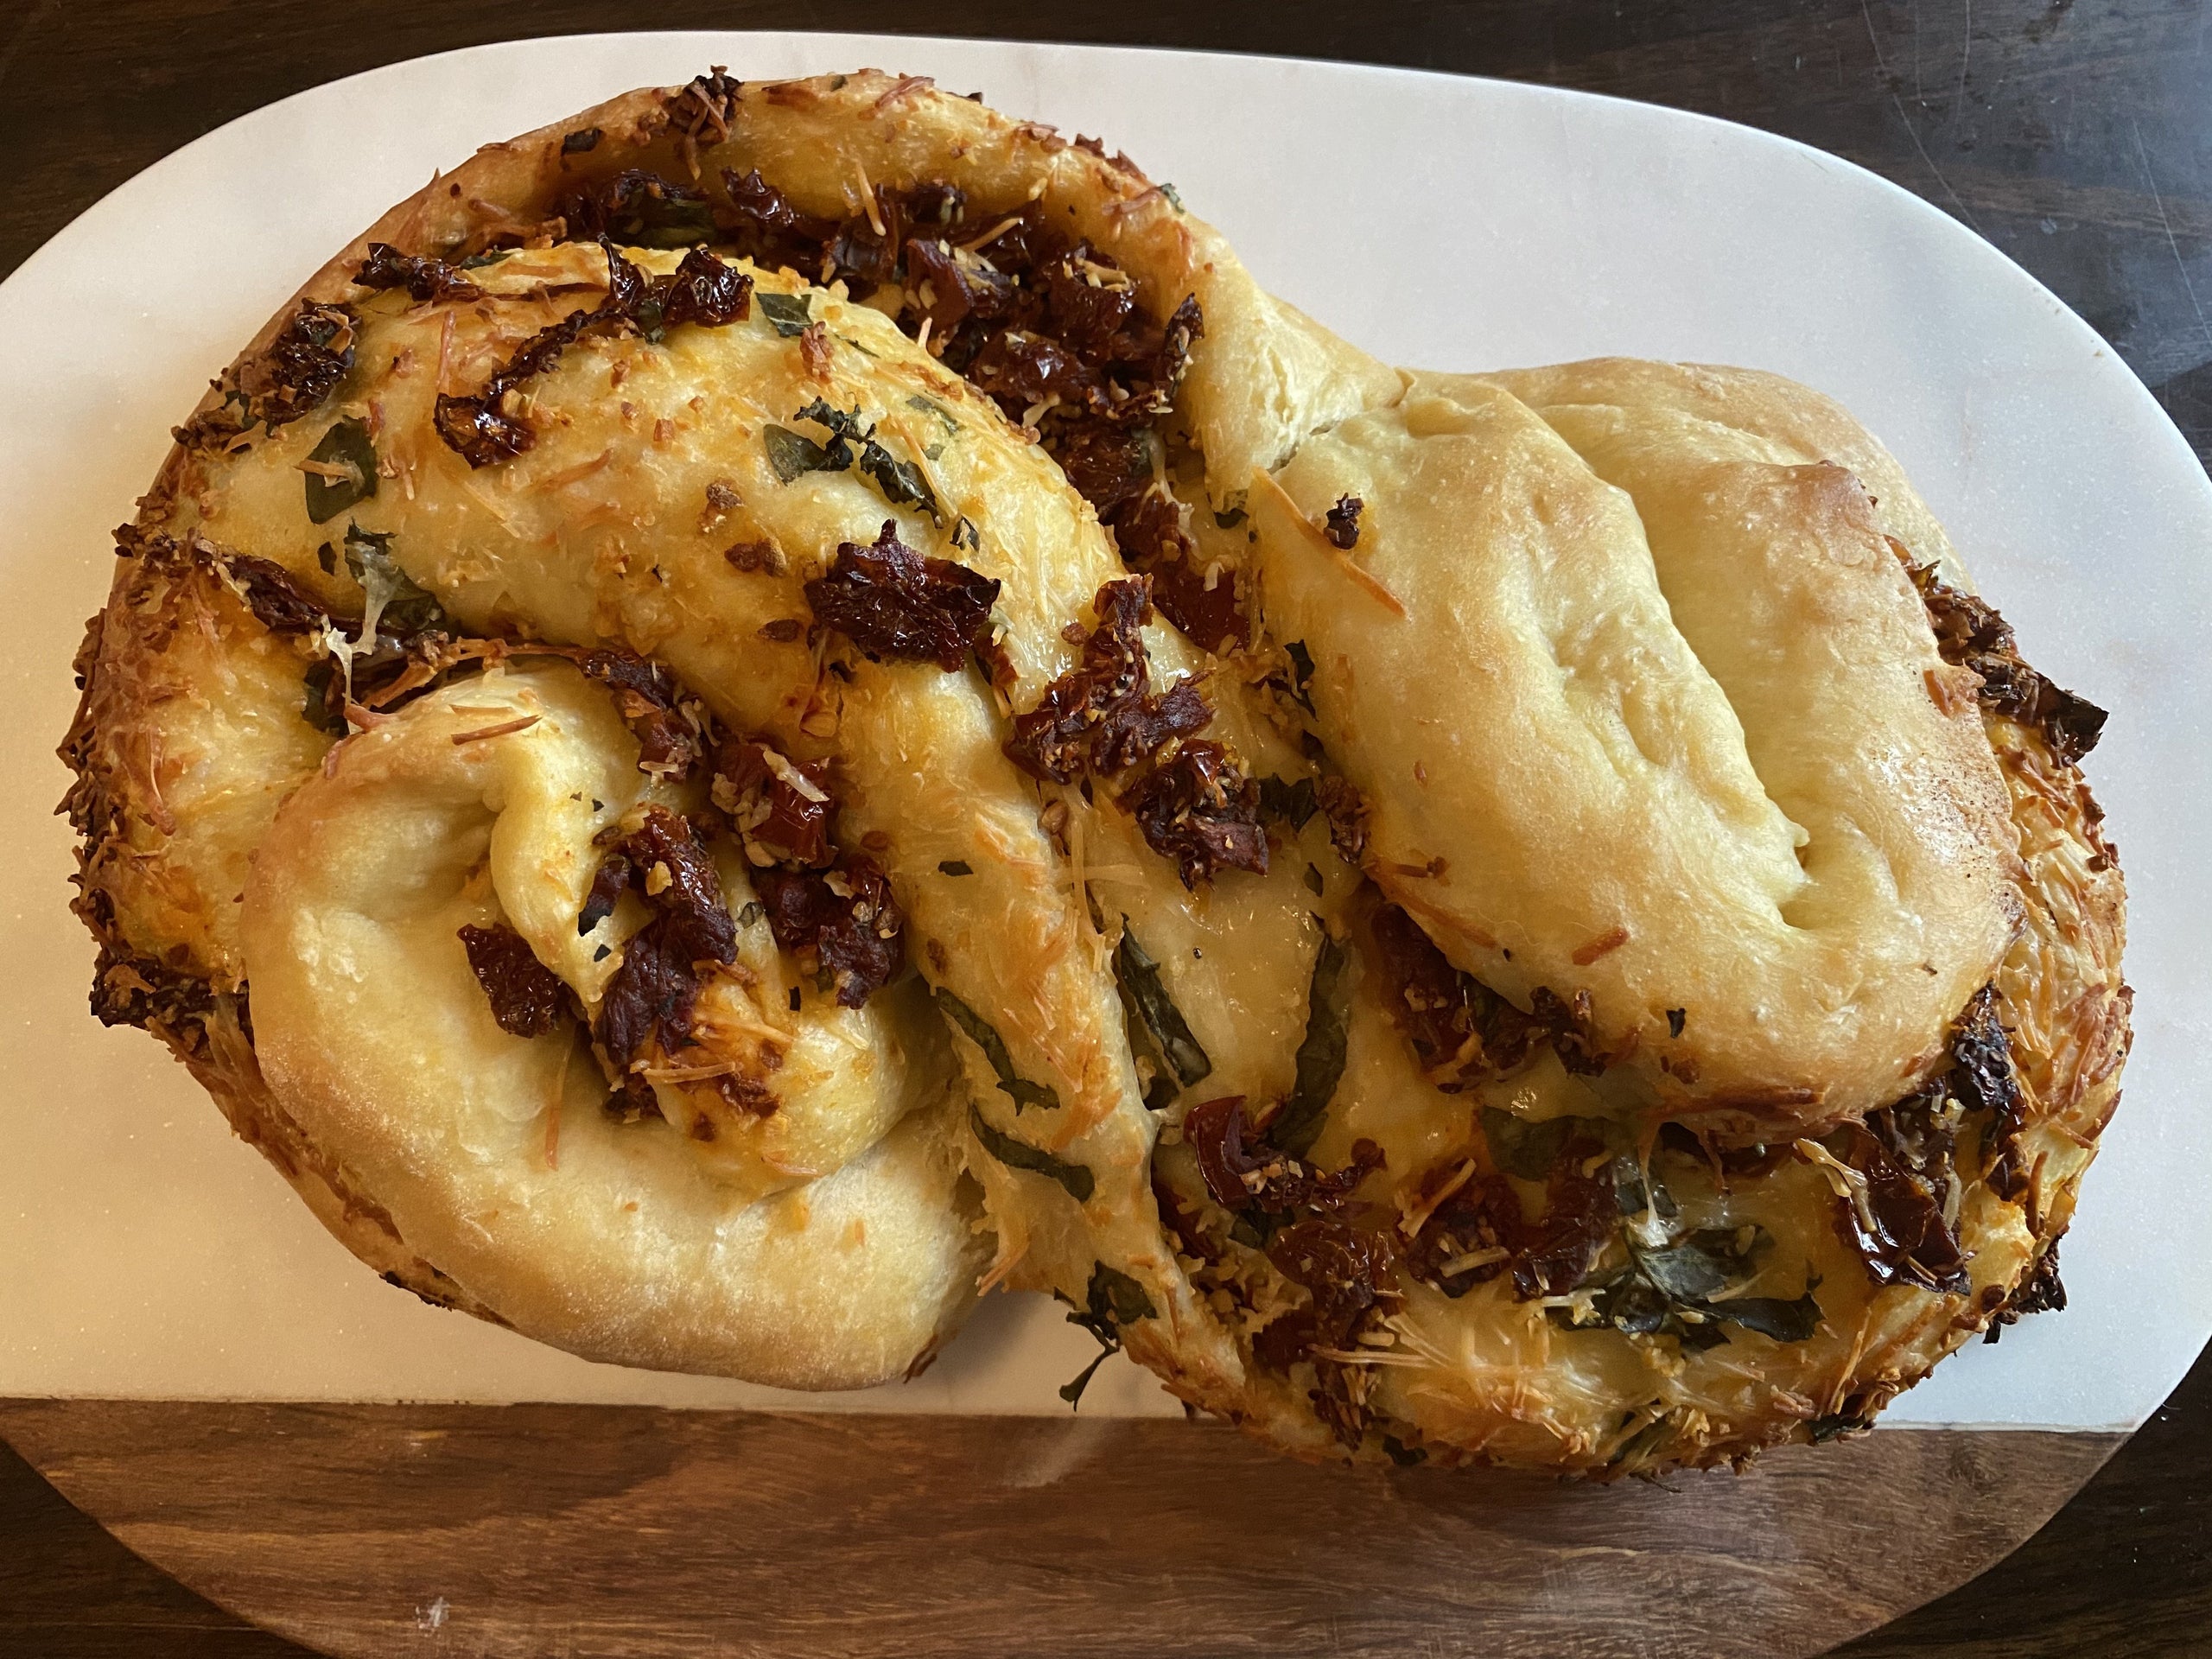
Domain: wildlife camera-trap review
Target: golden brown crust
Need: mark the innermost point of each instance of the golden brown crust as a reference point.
(1023, 897)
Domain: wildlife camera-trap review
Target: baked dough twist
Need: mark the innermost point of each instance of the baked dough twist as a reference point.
(1469, 917)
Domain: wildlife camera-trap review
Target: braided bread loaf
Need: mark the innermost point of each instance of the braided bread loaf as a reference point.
(783, 700)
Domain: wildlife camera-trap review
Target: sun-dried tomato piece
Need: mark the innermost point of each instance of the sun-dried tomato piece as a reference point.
(274, 598)
(706, 291)
(303, 365)
(484, 429)
(423, 278)
(646, 696)
(846, 918)
(1025, 371)
(651, 995)
(1098, 716)
(1200, 810)
(891, 602)
(1481, 1231)
(781, 805)
(1341, 529)
(1899, 1231)
(960, 285)
(1970, 631)
(528, 999)
(639, 209)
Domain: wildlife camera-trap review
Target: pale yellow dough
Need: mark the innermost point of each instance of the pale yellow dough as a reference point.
(1636, 694)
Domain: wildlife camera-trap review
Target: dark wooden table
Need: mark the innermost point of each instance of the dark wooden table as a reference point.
(2075, 135)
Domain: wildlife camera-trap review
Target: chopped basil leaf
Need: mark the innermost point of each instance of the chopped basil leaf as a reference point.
(963, 528)
(792, 453)
(577, 142)
(1320, 1054)
(789, 314)
(318, 710)
(1530, 1148)
(347, 444)
(980, 1032)
(1836, 1426)
(931, 406)
(1301, 672)
(955, 867)
(1020, 1154)
(1290, 803)
(395, 605)
(1150, 1004)
(902, 481)
(675, 220)
(1111, 1301)
(753, 912)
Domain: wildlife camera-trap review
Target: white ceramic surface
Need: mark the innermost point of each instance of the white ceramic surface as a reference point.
(1443, 222)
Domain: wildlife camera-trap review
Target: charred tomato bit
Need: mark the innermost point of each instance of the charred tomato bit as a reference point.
(528, 999)
(650, 998)
(1097, 717)
(1969, 632)
(894, 604)
(648, 698)
(300, 368)
(1050, 329)
(1199, 809)
(1895, 1223)
(1314, 1238)
(1341, 528)
(1485, 1220)
(638, 209)
(846, 919)
(780, 806)
(1981, 1080)
(277, 601)
(424, 279)
(2041, 1291)
(484, 429)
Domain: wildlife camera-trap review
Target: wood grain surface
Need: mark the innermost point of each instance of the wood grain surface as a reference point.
(2075, 135)
(518, 1531)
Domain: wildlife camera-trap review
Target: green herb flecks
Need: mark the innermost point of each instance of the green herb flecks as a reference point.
(901, 482)
(393, 604)
(1288, 804)
(1529, 1148)
(1682, 1284)
(1301, 674)
(1020, 1154)
(1322, 1053)
(793, 454)
(1152, 1015)
(1112, 1301)
(931, 406)
(955, 867)
(980, 1032)
(788, 314)
(321, 709)
(346, 445)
